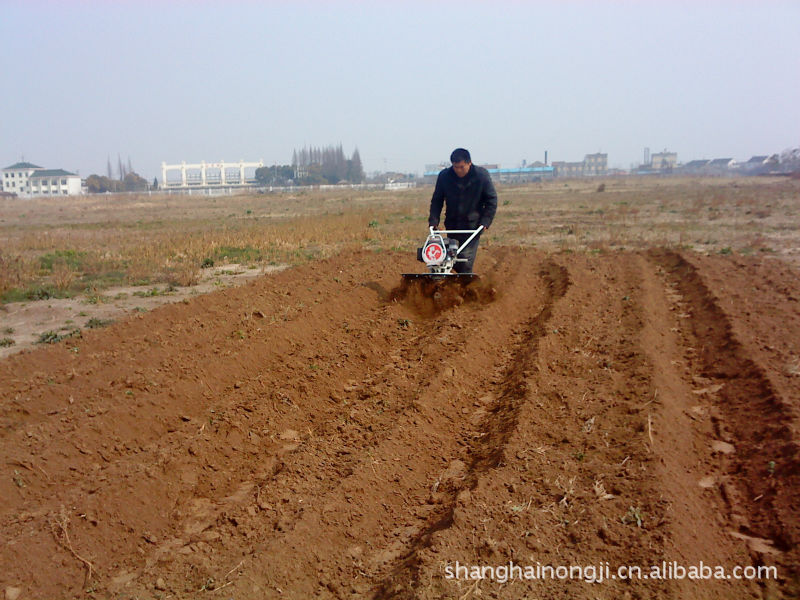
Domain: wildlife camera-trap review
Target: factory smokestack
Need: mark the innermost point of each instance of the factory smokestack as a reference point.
(545, 158)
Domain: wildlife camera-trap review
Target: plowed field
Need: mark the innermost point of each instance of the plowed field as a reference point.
(305, 435)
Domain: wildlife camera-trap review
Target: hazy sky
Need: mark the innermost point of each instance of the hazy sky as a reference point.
(405, 82)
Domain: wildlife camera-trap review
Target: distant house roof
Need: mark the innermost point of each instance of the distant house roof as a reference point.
(695, 164)
(52, 173)
(720, 162)
(757, 160)
(22, 165)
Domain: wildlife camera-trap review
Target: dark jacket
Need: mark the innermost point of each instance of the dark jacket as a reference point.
(471, 200)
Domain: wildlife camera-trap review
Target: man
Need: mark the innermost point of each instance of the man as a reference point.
(471, 200)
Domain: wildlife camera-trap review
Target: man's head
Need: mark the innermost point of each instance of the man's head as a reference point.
(461, 161)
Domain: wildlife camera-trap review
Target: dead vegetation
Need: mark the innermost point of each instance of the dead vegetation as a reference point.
(50, 249)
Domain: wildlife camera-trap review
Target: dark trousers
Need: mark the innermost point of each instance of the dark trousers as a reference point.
(469, 252)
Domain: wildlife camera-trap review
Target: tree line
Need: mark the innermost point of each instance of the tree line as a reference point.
(315, 166)
(126, 180)
(310, 166)
(132, 182)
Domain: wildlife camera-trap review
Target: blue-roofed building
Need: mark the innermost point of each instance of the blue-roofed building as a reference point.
(519, 174)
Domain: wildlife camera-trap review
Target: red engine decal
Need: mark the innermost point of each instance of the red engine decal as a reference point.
(434, 253)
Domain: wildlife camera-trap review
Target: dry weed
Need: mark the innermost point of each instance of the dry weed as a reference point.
(11, 272)
(152, 239)
(183, 274)
(63, 276)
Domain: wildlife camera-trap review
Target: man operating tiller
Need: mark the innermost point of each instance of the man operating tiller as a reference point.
(467, 192)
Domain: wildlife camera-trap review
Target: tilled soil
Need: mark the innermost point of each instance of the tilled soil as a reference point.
(315, 433)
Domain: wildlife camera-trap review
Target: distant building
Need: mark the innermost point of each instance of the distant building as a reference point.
(26, 180)
(15, 177)
(694, 166)
(759, 165)
(214, 175)
(754, 165)
(664, 161)
(567, 169)
(595, 164)
(715, 167)
(720, 163)
(521, 174)
(719, 166)
(431, 168)
(529, 173)
(54, 182)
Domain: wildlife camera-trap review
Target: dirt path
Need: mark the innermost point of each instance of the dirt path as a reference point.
(305, 436)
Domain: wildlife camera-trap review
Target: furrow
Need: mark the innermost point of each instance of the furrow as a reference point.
(766, 463)
(487, 451)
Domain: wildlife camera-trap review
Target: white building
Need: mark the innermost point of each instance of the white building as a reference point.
(54, 182)
(206, 175)
(26, 179)
(15, 177)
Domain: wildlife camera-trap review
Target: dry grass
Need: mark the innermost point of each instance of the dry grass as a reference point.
(63, 276)
(98, 241)
(167, 241)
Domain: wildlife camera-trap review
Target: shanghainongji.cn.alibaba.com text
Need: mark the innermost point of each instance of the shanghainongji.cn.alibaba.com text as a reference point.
(605, 572)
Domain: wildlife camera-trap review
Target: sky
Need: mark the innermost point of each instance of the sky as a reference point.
(404, 82)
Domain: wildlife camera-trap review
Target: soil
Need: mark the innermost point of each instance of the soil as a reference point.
(323, 432)
(24, 323)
